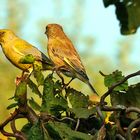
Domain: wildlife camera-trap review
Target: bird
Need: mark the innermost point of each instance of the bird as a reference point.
(64, 55)
(16, 48)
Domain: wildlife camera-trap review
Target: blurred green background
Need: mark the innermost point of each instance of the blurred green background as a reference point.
(93, 29)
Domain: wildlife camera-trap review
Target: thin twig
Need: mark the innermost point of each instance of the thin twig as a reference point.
(19, 135)
(7, 133)
(102, 73)
(13, 126)
(77, 124)
(113, 108)
(120, 137)
(65, 118)
(99, 112)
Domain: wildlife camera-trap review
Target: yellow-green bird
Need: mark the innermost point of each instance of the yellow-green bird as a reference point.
(16, 48)
(65, 57)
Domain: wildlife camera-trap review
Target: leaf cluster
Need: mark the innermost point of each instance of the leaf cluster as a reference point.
(65, 113)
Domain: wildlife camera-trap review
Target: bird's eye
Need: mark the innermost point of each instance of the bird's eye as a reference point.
(46, 28)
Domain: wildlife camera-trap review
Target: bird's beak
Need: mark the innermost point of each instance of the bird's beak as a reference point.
(46, 30)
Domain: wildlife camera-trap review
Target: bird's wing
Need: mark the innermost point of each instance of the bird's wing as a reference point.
(65, 50)
(24, 48)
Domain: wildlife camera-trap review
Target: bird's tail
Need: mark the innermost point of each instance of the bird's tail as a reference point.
(92, 88)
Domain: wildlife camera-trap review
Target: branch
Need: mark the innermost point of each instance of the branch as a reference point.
(99, 112)
(11, 119)
(65, 118)
(102, 101)
(115, 108)
(17, 133)
(13, 115)
(132, 109)
(120, 137)
(31, 115)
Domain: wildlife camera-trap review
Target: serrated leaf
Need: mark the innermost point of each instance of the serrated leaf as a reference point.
(34, 87)
(12, 105)
(35, 132)
(82, 112)
(61, 131)
(113, 78)
(34, 104)
(39, 77)
(77, 99)
(129, 98)
(28, 59)
(21, 89)
(50, 102)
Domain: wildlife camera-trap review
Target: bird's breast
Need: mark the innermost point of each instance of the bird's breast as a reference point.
(14, 57)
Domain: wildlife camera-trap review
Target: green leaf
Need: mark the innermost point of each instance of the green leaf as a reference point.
(35, 132)
(58, 85)
(34, 104)
(21, 89)
(26, 129)
(61, 131)
(77, 99)
(113, 78)
(129, 98)
(128, 13)
(39, 77)
(34, 87)
(20, 93)
(28, 59)
(12, 105)
(83, 112)
(51, 102)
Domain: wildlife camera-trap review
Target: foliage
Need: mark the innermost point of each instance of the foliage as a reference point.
(65, 113)
(128, 14)
(69, 114)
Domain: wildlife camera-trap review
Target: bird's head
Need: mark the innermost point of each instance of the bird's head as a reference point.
(6, 35)
(54, 30)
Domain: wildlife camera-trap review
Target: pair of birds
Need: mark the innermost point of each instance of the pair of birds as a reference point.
(63, 56)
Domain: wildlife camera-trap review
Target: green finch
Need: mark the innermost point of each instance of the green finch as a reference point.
(65, 57)
(16, 48)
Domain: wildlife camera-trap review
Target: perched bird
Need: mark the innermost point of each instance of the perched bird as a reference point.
(65, 57)
(15, 48)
